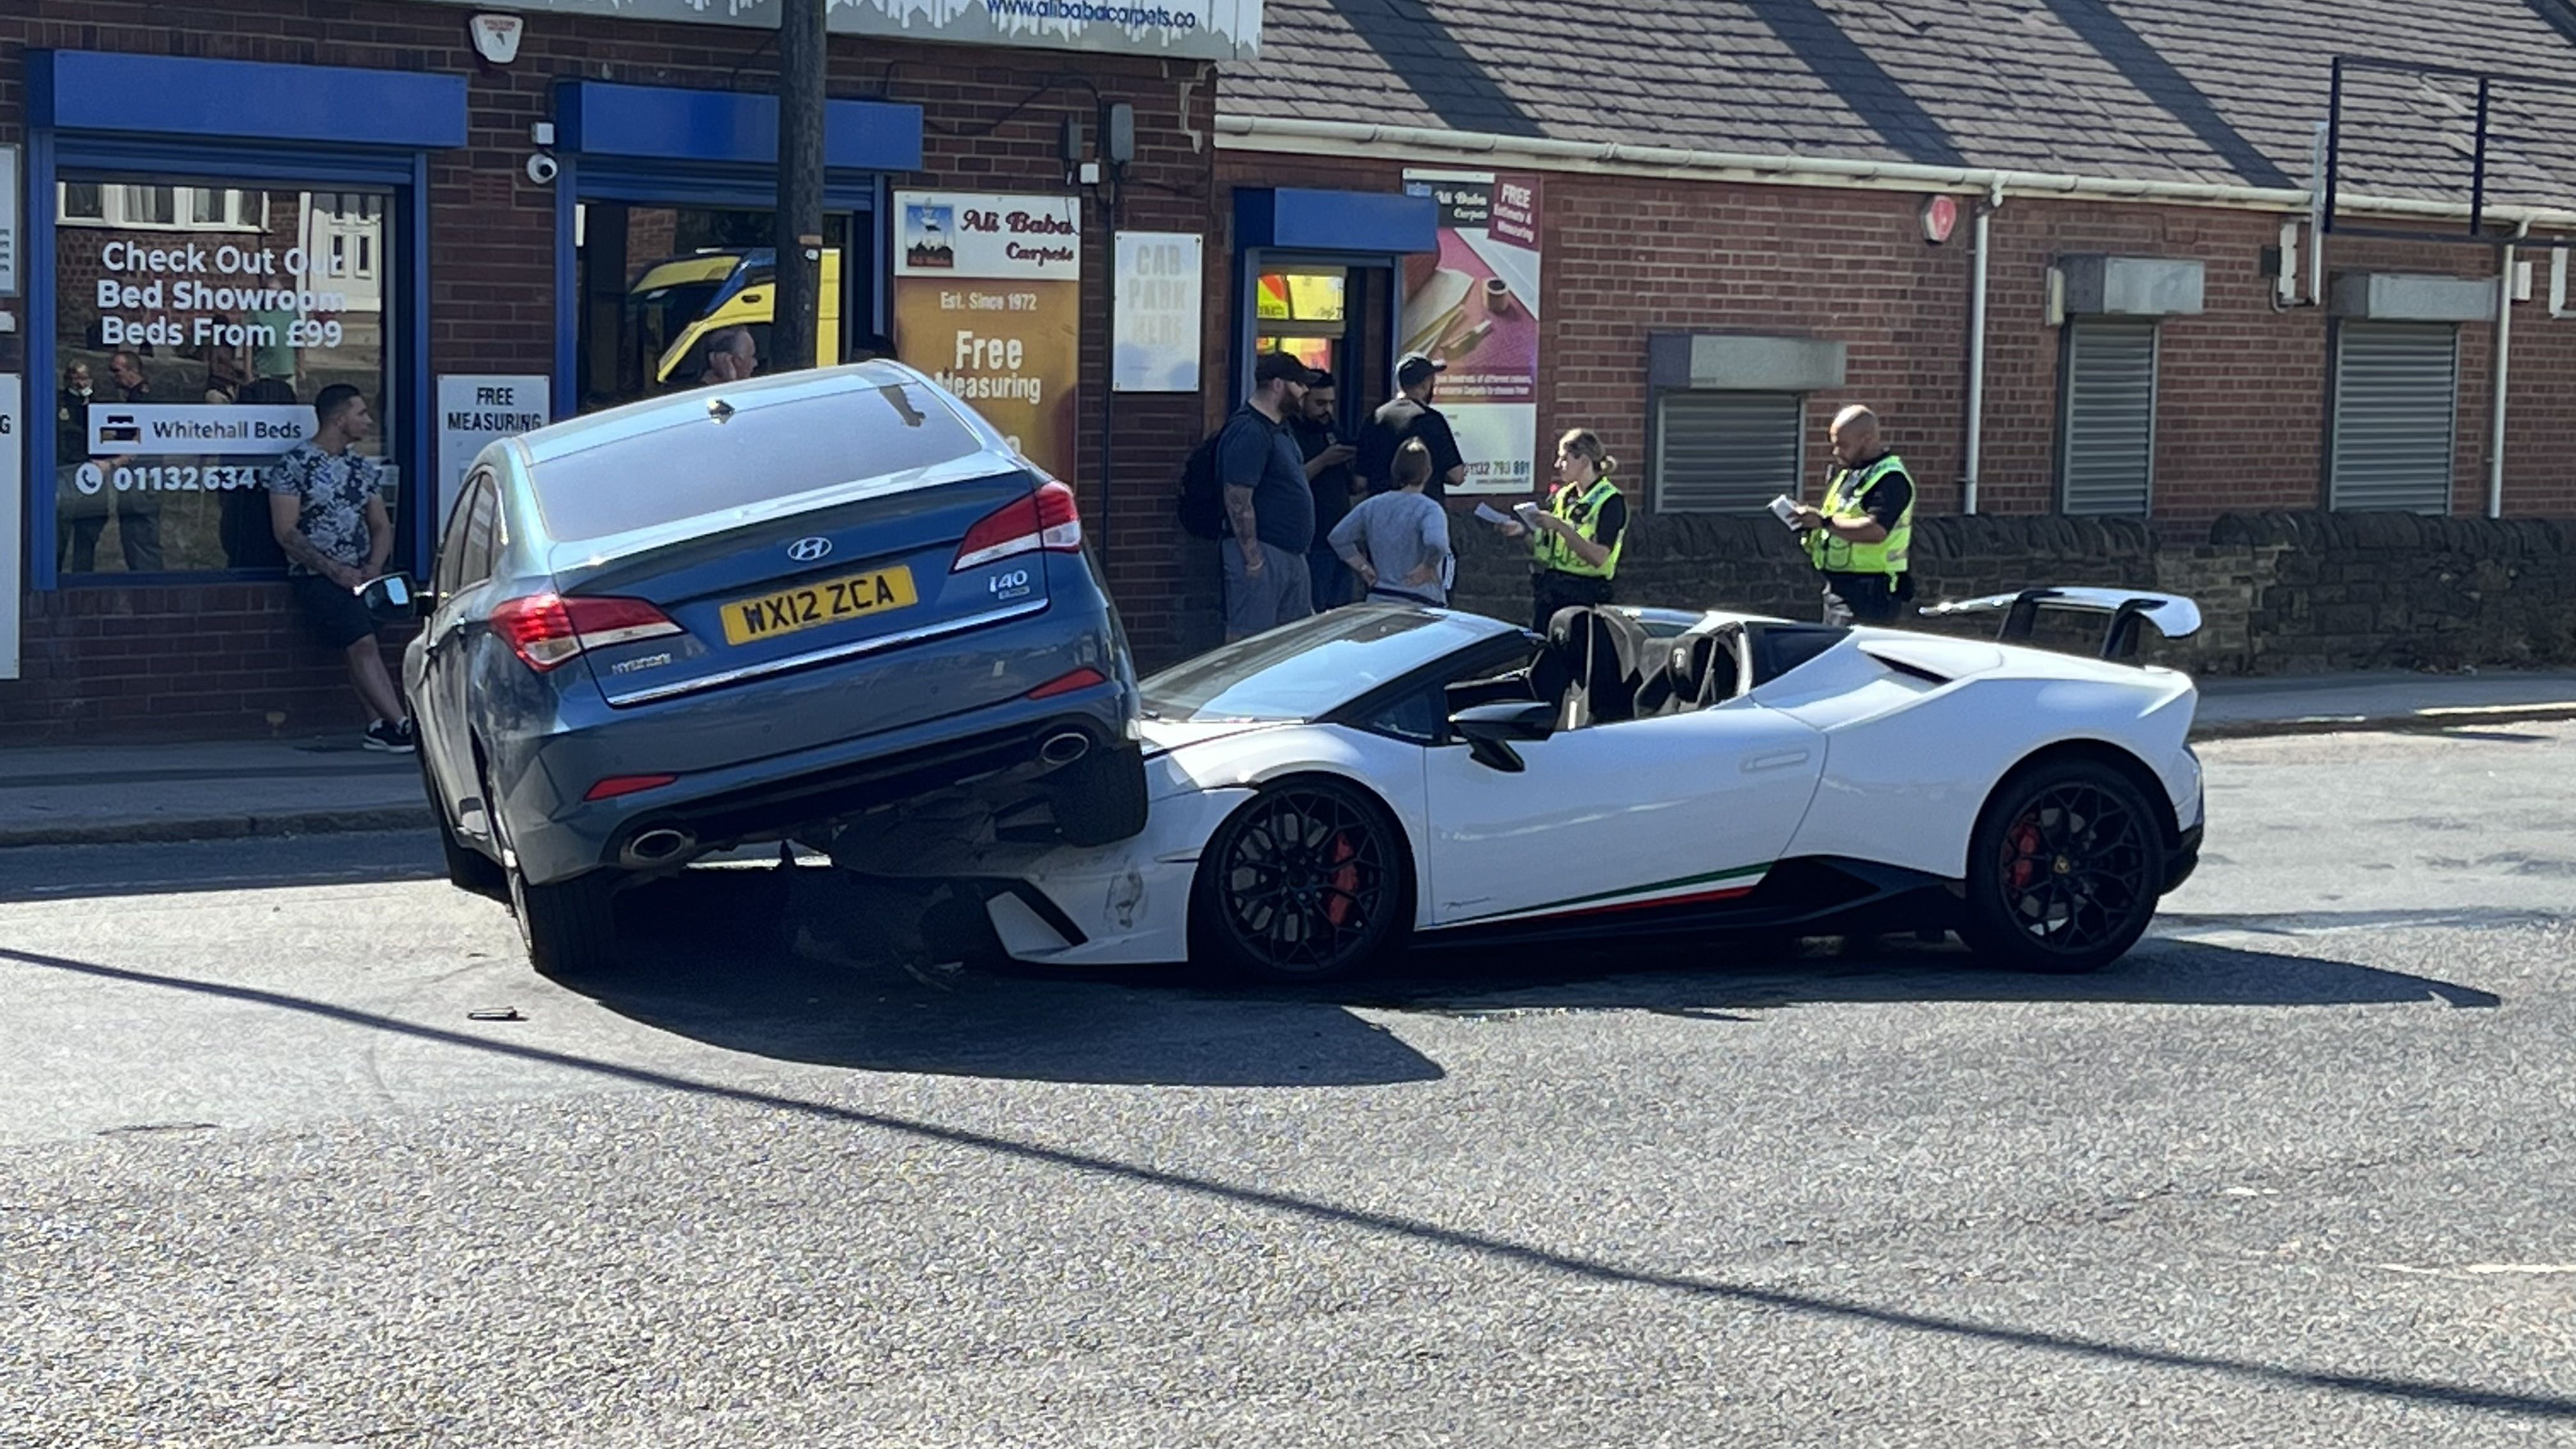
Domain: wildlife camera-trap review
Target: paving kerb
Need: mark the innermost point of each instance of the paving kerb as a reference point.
(230, 825)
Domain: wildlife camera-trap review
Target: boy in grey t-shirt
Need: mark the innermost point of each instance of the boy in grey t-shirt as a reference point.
(1398, 542)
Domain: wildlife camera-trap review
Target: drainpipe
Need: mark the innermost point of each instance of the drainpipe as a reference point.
(2503, 376)
(1977, 348)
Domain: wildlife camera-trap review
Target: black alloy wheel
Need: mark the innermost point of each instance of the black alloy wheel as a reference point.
(1306, 883)
(2065, 870)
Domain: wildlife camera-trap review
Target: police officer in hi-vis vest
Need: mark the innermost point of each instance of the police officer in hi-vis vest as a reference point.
(1858, 540)
(1579, 533)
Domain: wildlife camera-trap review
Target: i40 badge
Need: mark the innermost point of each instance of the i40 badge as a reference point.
(1012, 585)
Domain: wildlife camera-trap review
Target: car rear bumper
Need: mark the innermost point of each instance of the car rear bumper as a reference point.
(787, 794)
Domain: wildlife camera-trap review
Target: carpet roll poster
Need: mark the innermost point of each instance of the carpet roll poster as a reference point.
(988, 300)
(1475, 306)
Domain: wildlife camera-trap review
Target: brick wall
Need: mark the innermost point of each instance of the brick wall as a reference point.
(214, 659)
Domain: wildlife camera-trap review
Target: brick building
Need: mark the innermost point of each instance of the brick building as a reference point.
(310, 191)
(1749, 214)
(1699, 234)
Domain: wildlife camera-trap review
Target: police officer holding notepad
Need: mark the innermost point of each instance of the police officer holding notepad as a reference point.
(1860, 537)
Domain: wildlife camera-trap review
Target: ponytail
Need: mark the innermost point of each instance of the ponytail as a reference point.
(1586, 444)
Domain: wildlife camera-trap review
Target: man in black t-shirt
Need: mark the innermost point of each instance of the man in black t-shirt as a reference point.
(1409, 414)
(1328, 472)
(1269, 506)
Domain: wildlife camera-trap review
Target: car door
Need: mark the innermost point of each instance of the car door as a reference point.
(1670, 810)
(465, 564)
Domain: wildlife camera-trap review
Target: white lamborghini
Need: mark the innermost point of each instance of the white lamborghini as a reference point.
(1382, 775)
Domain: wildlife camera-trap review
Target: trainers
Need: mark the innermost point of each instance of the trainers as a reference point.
(390, 737)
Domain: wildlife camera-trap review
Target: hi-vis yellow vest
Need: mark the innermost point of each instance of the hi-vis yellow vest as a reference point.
(1583, 510)
(1842, 500)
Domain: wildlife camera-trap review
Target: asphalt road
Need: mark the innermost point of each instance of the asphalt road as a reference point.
(2296, 1172)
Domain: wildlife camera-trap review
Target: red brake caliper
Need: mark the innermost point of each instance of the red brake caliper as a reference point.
(1346, 881)
(2025, 844)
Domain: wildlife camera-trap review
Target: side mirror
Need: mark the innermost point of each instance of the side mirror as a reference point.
(390, 599)
(1489, 730)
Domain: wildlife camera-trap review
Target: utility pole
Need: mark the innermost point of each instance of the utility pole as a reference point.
(800, 186)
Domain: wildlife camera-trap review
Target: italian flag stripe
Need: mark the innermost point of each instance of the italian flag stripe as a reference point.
(1716, 885)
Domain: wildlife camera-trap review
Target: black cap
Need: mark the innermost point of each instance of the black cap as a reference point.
(1415, 367)
(1274, 366)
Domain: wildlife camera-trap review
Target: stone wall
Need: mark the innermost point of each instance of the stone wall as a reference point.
(2280, 593)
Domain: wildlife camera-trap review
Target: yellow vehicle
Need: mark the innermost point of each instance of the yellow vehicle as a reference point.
(684, 299)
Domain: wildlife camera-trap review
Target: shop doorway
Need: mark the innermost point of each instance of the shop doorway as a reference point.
(656, 283)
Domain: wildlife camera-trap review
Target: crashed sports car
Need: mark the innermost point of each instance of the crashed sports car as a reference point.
(1378, 776)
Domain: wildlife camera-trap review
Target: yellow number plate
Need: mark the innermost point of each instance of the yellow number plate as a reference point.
(829, 602)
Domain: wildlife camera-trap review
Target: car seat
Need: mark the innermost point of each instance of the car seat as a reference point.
(1591, 666)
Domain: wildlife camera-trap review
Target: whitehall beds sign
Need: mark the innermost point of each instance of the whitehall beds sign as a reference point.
(1183, 29)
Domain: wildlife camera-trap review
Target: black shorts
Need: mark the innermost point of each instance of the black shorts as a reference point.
(334, 610)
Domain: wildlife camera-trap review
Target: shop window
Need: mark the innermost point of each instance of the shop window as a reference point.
(2106, 444)
(658, 284)
(196, 325)
(2396, 398)
(1726, 452)
(1305, 312)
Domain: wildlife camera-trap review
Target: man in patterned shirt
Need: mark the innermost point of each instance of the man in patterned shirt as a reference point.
(328, 511)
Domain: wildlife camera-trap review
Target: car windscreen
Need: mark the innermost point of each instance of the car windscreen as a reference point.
(699, 465)
(1304, 669)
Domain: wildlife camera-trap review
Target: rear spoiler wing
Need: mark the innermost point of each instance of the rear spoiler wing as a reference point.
(2173, 616)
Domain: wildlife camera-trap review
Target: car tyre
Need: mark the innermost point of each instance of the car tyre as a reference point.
(1100, 798)
(468, 869)
(569, 928)
(1309, 881)
(2064, 870)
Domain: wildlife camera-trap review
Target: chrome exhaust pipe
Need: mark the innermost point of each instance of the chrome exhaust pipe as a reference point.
(1065, 747)
(657, 846)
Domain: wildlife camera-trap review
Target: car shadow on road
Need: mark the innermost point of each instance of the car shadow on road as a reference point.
(815, 966)
(1718, 977)
(808, 965)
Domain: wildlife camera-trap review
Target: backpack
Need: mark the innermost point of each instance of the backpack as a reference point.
(1201, 504)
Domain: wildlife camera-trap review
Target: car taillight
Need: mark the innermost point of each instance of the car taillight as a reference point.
(544, 630)
(1046, 519)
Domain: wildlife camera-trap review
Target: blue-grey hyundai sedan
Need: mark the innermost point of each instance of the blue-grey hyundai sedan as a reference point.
(746, 613)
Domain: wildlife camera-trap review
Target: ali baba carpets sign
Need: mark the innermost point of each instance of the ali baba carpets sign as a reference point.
(988, 300)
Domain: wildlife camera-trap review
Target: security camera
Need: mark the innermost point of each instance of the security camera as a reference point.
(542, 169)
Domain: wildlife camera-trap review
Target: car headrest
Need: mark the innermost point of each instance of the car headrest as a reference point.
(1704, 668)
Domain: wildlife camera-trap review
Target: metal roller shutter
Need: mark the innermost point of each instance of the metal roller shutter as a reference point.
(2108, 444)
(2395, 403)
(1726, 452)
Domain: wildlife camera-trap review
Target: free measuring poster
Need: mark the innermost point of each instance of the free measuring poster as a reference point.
(1475, 306)
(988, 300)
